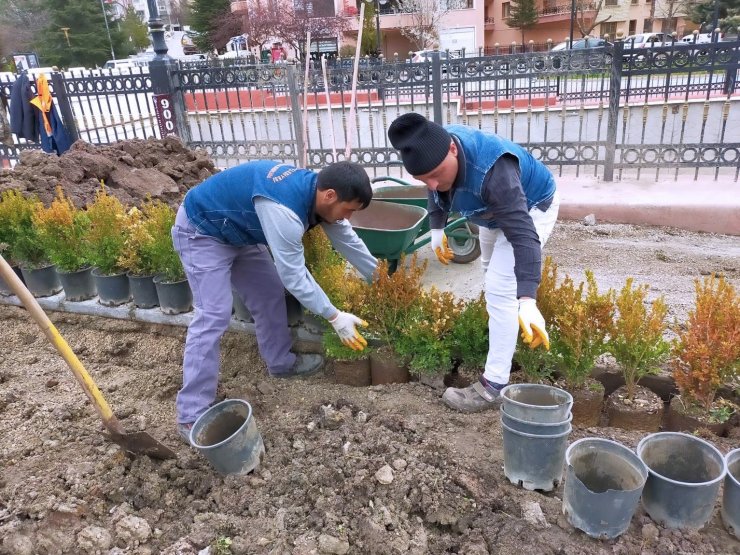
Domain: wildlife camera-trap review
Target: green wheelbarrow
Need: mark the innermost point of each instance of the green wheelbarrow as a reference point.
(396, 223)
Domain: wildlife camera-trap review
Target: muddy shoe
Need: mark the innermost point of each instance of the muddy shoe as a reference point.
(184, 431)
(480, 396)
(306, 364)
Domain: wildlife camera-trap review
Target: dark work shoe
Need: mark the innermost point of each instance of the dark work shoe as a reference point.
(184, 431)
(306, 364)
(479, 396)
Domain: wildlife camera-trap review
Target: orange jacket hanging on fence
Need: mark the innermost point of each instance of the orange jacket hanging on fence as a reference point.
(43, 100)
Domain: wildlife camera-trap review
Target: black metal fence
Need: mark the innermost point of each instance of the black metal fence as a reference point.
(608, 110)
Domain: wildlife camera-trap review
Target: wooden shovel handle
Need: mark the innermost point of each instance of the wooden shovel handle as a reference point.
(85, 380)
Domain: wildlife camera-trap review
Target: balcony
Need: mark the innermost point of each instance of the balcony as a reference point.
(561, 12)
(488, 24)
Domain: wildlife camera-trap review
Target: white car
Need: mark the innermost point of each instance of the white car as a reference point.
(426, 56)
(699, 38)
(648, 40)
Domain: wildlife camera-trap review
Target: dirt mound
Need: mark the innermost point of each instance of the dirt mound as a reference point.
(162, 168)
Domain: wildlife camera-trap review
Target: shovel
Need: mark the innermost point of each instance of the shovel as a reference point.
(134, 442)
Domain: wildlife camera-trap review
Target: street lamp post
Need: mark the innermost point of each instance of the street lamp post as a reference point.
(572, 21)
(107, 30)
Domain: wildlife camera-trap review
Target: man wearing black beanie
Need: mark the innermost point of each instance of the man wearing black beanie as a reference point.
(499, 186)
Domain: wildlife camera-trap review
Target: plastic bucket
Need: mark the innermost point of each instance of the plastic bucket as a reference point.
(685, 475)
(536, 402)
(536, 428)
(603, 483)
(534, 461)
(731, 495)
(227, 435)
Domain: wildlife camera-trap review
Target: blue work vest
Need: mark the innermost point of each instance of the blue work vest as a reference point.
(223, 205)
(481, 151)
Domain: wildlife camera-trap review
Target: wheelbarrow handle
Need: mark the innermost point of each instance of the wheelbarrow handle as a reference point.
(85, 380)
(394, 179)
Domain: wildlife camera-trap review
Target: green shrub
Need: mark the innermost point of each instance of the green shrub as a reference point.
(469, 336)
(336, 350)
(108, 230)
(17, 232)
(61, 230)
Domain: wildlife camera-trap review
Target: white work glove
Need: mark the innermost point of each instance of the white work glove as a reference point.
(532, 324)
(440, 248)
(345, 324)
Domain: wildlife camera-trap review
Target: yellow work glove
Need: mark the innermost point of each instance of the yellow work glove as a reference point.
(533, 325)
(440, 248)
(345, 324)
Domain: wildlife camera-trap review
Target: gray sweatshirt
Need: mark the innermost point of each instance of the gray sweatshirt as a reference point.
(284, 232)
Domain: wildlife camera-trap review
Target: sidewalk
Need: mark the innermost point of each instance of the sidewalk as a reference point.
(702, 205)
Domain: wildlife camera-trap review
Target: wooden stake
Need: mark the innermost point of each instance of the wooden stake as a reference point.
(353, 98)
(328, 108)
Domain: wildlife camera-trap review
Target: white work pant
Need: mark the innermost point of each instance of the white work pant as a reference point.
(497, 258)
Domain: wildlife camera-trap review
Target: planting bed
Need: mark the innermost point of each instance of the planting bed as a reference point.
(385, 469)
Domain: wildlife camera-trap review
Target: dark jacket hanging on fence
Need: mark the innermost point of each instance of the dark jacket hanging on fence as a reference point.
(54, 136)
(24, 118)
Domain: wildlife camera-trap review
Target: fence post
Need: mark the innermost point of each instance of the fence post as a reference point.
(437, 87)
(731, 72)
(296, 113)
(65, 107)
(169, 105)
(615, 92)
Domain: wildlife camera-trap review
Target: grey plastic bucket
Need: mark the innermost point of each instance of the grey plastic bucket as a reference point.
(536, 402)
(534, 461)
(536, 428)
(603, 483)
(685, 475)
(241, 312)
(227, 435)
(731, 495)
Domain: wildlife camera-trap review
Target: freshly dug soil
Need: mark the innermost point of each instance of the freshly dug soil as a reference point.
(162, 168)
(644, 412)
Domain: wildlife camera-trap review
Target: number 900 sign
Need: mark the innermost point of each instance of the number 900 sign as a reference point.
(165, 114)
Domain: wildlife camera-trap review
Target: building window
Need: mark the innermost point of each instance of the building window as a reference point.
(612, 3)
(633, 27)
(505, 10)
(609, 29)
(634, 2)
(647, 26)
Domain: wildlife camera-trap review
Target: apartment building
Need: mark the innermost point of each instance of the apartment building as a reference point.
(611, 16)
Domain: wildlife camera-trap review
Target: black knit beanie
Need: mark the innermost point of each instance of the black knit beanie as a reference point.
(423, 144)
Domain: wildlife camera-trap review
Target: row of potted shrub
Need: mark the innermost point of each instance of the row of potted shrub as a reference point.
(104, 249)
(430, 332)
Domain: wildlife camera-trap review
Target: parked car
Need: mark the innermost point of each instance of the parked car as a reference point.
(648, 40)
(700, 38)
(426, 56)
(580, 44)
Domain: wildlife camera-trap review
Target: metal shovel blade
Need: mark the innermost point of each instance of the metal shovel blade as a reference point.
(141, 443)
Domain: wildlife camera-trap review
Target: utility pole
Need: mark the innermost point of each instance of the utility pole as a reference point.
(572, 21)
(107, 30)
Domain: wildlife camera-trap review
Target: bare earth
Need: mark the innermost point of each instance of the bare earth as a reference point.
(65, 489)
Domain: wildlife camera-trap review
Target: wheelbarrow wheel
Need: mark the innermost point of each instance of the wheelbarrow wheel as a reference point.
(466, 249)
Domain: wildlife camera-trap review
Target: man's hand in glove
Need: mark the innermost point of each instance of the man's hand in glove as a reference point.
(440, 248)
(345, 324)
(532, 324)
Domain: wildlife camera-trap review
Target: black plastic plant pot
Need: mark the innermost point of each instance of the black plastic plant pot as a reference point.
(686, 473)
(143, 291)
(78, 286)
(5, 290)
(731, 494)
(42, 282)
(603, 483)
(112, 290)
(174, 297)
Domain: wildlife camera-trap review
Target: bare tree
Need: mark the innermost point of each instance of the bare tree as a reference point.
(586, 25)
(669, 10)
(425, 17)
(296, 22)
(262, 23)
(21, 22)
(227, 25)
